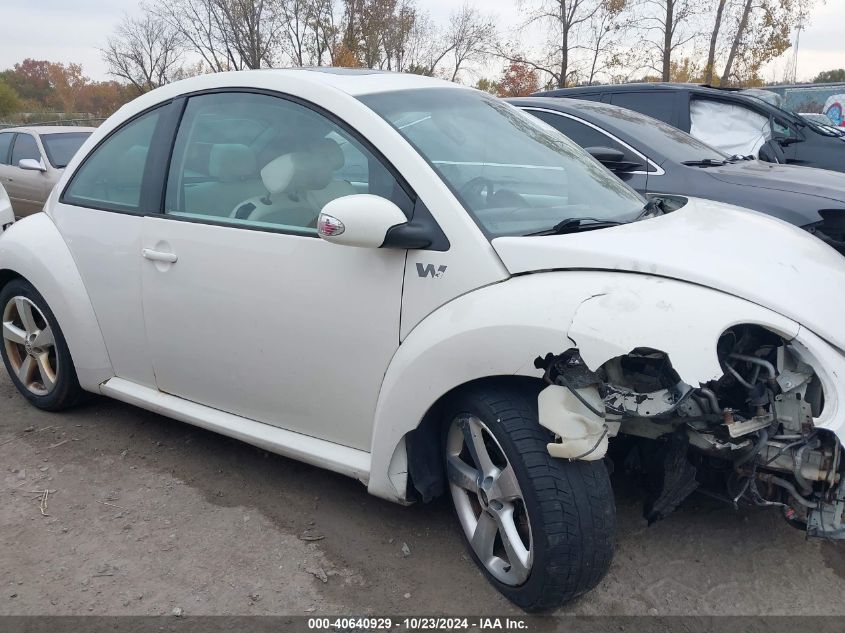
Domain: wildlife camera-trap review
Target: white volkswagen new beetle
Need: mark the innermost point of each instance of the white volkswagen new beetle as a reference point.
(417, 285)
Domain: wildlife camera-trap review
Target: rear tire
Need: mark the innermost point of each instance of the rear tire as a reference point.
(559, 516)
(34, 350)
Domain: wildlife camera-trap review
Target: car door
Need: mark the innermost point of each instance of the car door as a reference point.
(587, 135)
(246, 309)
(99, 214)
(25, 186)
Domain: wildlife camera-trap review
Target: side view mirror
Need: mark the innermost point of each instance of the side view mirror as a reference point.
(30, 164)
(611, 158)
(771, 152)
(359, 220)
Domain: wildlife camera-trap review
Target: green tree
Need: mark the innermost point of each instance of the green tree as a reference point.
(487, 85)
(830, 76)
(9, 100)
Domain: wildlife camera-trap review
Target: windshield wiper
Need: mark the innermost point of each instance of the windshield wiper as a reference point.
(576, 225)
(652, 209)
(704, 162)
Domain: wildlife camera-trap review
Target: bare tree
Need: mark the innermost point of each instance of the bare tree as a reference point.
(568, 25)
(607, 27)
(468, 38)
(251, 27)
(668, 26)
(227, 34)
(714, 38)
(145, 51)
(199, 24)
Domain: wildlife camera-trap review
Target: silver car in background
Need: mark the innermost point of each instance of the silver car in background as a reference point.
(32, 159)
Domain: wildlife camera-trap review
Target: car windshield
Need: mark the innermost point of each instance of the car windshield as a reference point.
(667, 140)
(61, 147)
(514, 174)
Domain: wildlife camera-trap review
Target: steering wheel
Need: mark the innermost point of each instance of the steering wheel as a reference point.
(479, 188)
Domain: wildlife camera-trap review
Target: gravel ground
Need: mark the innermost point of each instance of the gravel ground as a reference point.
(145, 515)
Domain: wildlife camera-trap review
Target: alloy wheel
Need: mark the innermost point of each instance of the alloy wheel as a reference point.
(30, 346)
(488, 500)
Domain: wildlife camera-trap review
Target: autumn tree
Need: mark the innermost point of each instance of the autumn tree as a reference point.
(760, 33)
(518, 80)
(30, 79)
(9, 100)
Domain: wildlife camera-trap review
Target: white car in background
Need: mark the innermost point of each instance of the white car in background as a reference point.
(7, 215)
(417, 285)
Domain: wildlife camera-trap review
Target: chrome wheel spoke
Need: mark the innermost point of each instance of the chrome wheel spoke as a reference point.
(519, 558)
(484, 537)
(462, 474)
(26, 371)
(48, 378)
(13, 334)
(44, 338)
(474, 438)
(24, 309)
(505, 486)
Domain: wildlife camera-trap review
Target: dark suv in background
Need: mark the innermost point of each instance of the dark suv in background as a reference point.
(726, 120)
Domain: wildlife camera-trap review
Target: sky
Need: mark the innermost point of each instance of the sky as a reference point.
(74, 30)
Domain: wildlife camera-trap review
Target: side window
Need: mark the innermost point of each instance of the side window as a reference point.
(5, 146)
(732, 128)
(659, 104)
(24, 147)
(110, 177)
(784, 129)
(584, 135)
(260, 161)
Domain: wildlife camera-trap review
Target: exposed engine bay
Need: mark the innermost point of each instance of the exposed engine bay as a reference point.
(746, 438)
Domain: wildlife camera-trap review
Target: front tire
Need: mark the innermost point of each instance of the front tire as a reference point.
(541, 529)
(34, 349)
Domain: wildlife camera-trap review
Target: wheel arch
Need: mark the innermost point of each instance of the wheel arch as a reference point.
(425, 477)
(34, 250)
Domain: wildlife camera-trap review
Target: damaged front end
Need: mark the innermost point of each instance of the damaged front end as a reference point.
(747, 437)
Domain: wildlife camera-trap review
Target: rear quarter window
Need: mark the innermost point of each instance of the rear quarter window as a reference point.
(659, 104)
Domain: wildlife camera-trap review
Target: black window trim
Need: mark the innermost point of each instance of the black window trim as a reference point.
(658, 170)
(156, 172)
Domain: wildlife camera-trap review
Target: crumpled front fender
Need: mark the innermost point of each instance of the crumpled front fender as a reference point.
(499, 330)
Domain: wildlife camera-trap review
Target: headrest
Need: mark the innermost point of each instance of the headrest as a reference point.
(329, 151)
(300, 171)
(231, 161)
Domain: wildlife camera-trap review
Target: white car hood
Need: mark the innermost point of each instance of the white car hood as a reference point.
(734, 250)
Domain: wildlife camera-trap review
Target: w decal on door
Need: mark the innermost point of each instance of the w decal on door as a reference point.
(428, 270)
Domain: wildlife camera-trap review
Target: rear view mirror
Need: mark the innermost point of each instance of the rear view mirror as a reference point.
(613, 159)
(359, 220)
(30, 164)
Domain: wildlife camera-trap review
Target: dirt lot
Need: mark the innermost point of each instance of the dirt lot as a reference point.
(146, 515)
